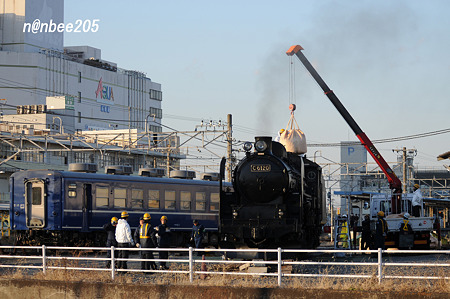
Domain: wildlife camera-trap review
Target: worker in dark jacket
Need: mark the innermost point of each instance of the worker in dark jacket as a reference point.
(146, 240)
(405, 227)
(137, 230)
(198, 231)
(381, 231)
(163, 241)
(406, 234)
(366, 235)
(110, 229)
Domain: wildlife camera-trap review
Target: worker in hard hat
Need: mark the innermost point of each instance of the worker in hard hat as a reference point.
(197, 235)
(406, 238)
(163, 240)
(124, 238)
(137, 230)
(405, 227)
(381, 231)
(417, 201)
(146, 240)
(110, 229)
(366, 235)
(277, 139)
(344, 231)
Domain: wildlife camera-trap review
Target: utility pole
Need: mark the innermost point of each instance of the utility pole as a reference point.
(229, 146)
(407, 154)
(168, 162)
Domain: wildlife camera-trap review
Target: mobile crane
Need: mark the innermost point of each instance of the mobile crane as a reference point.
(394, 183)
(422, 226)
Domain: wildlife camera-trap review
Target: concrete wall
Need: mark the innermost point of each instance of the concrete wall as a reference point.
(18, 289)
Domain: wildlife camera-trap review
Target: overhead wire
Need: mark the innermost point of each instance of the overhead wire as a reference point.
(292, 98)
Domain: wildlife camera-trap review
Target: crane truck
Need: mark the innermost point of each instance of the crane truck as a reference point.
(397, 203)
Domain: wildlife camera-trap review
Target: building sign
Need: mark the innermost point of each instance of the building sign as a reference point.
(69, 102)
(104, 108)
(104, 92)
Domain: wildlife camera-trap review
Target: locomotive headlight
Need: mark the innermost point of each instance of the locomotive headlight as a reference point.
(248, 146)
(235, 214)
(260, 145)
(280, 213)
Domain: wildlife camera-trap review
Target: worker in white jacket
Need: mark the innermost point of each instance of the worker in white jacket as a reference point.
(417, 201)
(124, 239)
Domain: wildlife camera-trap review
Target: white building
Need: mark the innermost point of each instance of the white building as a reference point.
(56, 92)
(35, 66)
(355, 159)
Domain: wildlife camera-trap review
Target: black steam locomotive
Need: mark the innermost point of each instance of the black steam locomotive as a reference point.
(278, 199)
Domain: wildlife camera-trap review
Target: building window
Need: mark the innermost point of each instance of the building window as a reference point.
(156, 112)
(155, 129)
(79, 117)
(79, 97)
(155, 95)
(79, 77)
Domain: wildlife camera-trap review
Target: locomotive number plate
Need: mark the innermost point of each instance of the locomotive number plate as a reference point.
(260, 168)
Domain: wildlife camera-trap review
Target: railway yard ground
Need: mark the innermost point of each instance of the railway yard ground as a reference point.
(15, 283)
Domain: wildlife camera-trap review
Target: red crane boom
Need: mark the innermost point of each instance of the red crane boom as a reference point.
(394, 183)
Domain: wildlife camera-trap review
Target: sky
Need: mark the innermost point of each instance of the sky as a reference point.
(387, 61)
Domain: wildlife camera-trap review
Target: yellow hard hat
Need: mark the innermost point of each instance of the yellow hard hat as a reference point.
(164, 217)
(416, 186)
(380, 213)
(282, 131)
(147, 216)
(114, 220)
(124, 214)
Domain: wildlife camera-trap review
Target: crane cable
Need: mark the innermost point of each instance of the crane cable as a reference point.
(292, 95)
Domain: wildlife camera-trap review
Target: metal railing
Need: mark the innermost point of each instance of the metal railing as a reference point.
(44, 262)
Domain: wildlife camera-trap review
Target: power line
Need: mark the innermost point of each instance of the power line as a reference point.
(386, 140)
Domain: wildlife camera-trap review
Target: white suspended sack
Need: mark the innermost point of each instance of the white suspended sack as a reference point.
(293, 138)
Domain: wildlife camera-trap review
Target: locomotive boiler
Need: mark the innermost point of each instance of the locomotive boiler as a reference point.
(278, 199)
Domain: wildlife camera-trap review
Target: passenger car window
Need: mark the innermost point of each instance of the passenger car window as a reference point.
(185, 200)
(153, 199)
(169, 200)
(137, 198)
(214, 205)
(101, 197)
(72, 190)
(200, 201)
(120, 197)
(36, 196)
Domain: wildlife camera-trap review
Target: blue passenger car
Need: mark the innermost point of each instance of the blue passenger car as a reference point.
(65, 207)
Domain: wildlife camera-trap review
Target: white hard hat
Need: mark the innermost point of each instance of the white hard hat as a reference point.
(406, 215)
